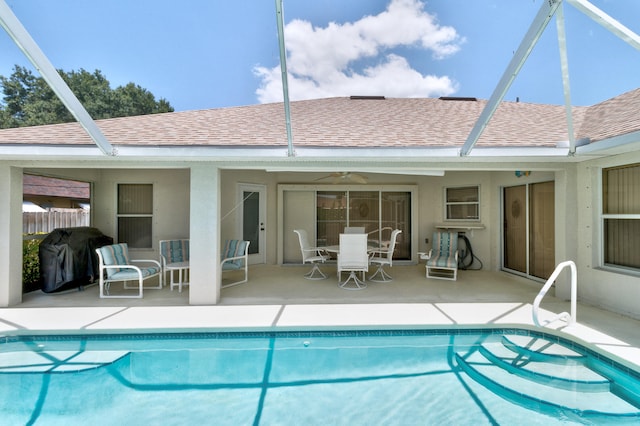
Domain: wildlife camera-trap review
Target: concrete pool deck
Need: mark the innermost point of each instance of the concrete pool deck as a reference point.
(277, 298)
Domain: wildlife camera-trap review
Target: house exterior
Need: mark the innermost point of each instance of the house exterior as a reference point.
(50, 203)
(52, 193)
(524, 201)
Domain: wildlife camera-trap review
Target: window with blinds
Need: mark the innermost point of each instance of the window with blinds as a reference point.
(621, 216)
(135, 215)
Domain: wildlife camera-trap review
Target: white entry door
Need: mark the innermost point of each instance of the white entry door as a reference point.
(252, 201)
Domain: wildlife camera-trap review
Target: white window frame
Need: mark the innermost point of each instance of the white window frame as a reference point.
(604, 216)
(129, 215)
(446, 204)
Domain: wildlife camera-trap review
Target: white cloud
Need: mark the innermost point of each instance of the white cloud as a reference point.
(320, 61)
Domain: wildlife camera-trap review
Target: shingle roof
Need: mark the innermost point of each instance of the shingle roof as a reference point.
(346, 122)
(40, 185)
(614, 117)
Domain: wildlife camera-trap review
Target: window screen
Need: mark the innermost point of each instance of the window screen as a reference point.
(462, 203)
(621, 216)
(135, 215)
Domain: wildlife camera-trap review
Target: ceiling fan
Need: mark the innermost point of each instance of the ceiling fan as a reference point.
(345, 177)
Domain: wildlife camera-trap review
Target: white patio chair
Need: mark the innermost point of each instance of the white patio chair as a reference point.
(353, 258)
(311, 255)
(235, 257)
(115, 266)
(174, 256)
(442, 260)
(382, 257)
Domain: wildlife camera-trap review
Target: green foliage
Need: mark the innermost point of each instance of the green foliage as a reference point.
(30, 264)
(29, 101)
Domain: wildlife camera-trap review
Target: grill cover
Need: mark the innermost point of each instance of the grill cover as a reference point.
(68, 258)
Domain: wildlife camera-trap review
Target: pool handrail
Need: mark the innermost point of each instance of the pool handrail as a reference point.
(570, 318)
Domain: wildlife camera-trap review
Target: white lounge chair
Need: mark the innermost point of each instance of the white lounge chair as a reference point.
(442, 260)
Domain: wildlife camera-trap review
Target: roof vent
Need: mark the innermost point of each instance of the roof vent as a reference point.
(457, 98)
(362, 97)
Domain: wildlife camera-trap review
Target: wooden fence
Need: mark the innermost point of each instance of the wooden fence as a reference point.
(33, 222)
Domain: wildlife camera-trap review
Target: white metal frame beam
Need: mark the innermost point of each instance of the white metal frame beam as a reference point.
(285, 78)
(607, 22)
(519, 58)
(564, 65)
(25, 42)
(546, 12)
(614, 145)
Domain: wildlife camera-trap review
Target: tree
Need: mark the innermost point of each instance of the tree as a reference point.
(29, 101)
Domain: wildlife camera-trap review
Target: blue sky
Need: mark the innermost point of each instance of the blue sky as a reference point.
(201, 54)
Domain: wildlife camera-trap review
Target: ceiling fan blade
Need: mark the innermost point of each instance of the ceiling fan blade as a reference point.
(332, 175)
(342, 177)
(358, 178)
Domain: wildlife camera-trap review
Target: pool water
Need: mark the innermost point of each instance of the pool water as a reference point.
(462, 377)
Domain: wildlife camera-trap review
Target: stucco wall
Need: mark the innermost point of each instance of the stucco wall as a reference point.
(11, 231)
(430, 208)
(171, 203)
(577, 214)
(432, 213)
(615, 290)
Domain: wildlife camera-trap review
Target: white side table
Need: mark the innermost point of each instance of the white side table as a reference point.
(180, 267)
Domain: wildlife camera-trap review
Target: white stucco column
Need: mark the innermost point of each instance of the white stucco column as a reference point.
(567, 210)
(204, 235)
(11, 232)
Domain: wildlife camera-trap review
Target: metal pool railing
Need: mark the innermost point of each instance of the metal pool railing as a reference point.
(570, 318)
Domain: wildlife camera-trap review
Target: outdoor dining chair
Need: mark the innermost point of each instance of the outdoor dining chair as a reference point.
(313, 255)
(354, 229)
(353, 258)
(383, 257)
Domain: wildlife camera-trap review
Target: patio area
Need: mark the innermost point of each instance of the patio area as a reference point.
(272, 284)
(278, 297)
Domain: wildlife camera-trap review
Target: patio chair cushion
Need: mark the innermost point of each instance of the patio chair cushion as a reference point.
(175, 251)
(126, 275)
(231, 249)
(445, 250)
(116, 254)
(443, 262)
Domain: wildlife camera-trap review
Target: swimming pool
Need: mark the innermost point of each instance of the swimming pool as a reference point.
(459, 376)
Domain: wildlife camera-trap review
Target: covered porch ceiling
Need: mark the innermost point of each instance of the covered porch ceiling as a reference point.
(451, 156)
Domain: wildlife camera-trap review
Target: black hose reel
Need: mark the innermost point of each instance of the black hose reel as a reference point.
(466, 258)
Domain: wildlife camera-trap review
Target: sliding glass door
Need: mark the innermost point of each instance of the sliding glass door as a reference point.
(515, 228)
(378, 212)
(529, 229)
